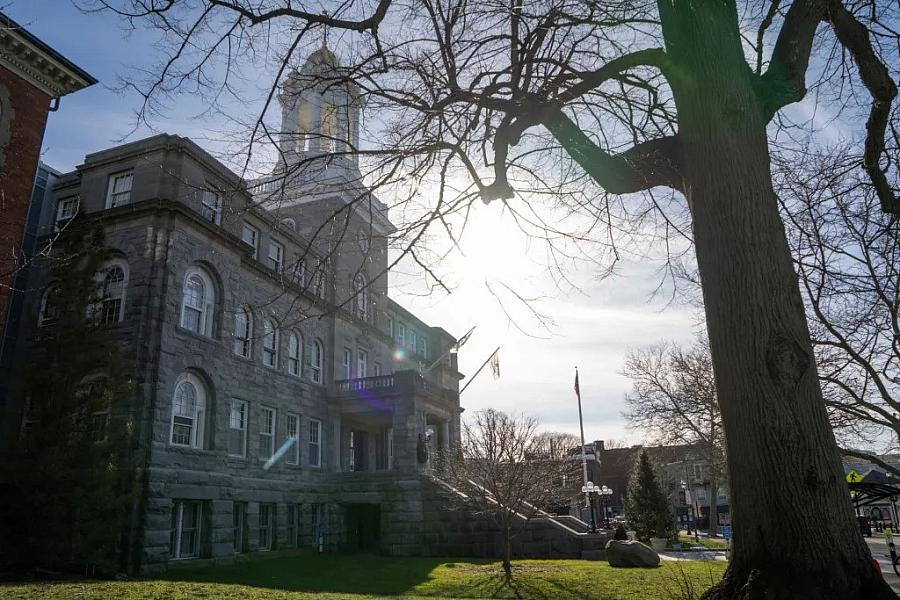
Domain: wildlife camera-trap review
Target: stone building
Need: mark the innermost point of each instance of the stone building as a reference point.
(281, 393)
(33, 77)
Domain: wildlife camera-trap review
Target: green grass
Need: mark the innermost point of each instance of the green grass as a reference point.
(368, 577)
(710, 544)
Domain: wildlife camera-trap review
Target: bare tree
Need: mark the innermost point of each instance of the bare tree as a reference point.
(673, 401)
(506, 475)
(847, 254)
(579, 105)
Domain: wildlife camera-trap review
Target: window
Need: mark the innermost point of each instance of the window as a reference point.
(266, 529)
(237, 429)
(361, 296)
(239, 520)
(316, 519)
(362, 364)
(66, 208)
(243, 332)
(266, 433)
(211, 206)
(347, 364)
(300, 272)
(293, 432)
(376, 367)
(276, 256)
(391, 327)
(99, 425)
(401, 335)
(314, 444)
(49, 312)
(188, 409)
(316, 363)
(423, 347)
(698, 472)
(250, 235)
(295, 353)
(119, 190)
(328, 128)
(197, 305)
(112, 300)
(319, 282)
(270, 344)
(185, 541)
(293, 517)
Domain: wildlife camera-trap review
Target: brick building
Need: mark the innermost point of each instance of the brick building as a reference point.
(256, 326)
(33, 77)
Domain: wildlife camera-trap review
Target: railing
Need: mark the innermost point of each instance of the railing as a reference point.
(266, 186)
(365, 383)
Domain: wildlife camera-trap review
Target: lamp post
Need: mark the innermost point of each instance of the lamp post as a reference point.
(588, 489)
(605, 493)
(687, 501)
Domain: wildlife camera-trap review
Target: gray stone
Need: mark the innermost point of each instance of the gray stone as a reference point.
(631, 553)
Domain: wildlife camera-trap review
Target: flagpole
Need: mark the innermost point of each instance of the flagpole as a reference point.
(483, 365)
(587, 494)
(455, 346)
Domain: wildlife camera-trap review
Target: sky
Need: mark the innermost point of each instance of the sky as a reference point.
(593, 327)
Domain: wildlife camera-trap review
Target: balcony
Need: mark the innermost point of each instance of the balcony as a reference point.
(401, 383)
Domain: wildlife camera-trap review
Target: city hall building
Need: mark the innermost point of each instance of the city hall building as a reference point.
(284, 399)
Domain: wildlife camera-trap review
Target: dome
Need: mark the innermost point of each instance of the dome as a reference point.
(322, 57)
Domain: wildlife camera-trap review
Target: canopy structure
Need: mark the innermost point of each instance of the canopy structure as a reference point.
(865, 494)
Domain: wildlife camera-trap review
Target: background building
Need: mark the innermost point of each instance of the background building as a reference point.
(33, 77)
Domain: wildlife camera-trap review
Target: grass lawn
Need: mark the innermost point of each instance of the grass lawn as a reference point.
(710, 544)
(367, 577)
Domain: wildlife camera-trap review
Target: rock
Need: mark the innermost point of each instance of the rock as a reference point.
(631, 553)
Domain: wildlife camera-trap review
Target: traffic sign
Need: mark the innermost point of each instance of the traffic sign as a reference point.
(853, 477)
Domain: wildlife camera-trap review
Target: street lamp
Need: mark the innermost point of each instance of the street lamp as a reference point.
(605, 493)
(686, 501)
(588, 489)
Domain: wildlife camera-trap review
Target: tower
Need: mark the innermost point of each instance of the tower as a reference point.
(320, 109)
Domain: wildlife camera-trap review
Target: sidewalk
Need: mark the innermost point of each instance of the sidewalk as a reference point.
(880, 552)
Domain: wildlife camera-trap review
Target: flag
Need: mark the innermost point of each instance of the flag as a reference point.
(463, 339)
(495, 364)
(577, 389)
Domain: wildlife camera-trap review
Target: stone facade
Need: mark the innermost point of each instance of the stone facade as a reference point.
(355, 399)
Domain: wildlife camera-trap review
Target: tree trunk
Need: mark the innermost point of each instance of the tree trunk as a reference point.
(507, 554)
(794, 533)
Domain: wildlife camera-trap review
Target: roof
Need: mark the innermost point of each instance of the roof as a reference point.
(33, 60)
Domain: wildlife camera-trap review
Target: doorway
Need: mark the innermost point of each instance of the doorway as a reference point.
(363, 527)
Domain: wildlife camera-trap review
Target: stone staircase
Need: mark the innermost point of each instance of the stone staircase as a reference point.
(451, 527)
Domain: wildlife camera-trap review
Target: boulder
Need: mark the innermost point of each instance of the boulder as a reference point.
(631, 553)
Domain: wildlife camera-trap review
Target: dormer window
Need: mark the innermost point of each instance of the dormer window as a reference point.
(119, 189)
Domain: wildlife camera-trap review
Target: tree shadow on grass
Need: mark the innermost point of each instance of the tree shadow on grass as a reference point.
(347, 574)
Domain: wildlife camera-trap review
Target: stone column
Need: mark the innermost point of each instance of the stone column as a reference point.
(338, 439)
(445, 435)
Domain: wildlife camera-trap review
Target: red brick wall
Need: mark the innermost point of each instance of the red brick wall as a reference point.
(20, 152)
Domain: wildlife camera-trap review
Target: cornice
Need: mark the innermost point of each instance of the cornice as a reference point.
(36, 63)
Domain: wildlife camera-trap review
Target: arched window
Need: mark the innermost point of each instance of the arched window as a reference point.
(188, 412)
(243, 332)
(316, 362)
(198, 301)
(49, 312)
(328, 130)
(113, 279)
(295, 353)
(270, 344)
(361, 301)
